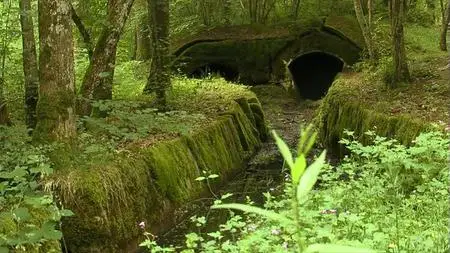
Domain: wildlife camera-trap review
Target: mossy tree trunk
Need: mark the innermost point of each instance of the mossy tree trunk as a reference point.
(143, 40)
(83, 32)
(4, 115)
(295, 8)
(204, 11)
(30, 65)
(159, 77)
(227, 4)
(445, 21)
(370, 10)
(401, 71)
(55, 109)
(365, 28)
(98, 80)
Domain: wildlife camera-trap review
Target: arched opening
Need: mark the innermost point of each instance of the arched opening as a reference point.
(227, 72)
(313, 73)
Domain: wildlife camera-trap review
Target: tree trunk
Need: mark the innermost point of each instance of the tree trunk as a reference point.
(364, 28)
(159, 77)
(401, 71)
(445, 21)
(97, 82)
(55, 109)
(83, 31)
(30, 67)
(370, 6)
(4, 115)
(144, 45)
(227, 12)
(295, 9)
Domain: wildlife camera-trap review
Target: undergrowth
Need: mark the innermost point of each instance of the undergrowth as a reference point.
(29, 214)
(385, 196)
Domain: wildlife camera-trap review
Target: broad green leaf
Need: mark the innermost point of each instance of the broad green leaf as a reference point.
(49, 232)
(3, 186)
(37, 201)
(298, 169)
(66, 212)
(52, 234)
(306, 147)
(227, 195)
(256, 210)
(333, 248)
(309, 178)
(104, 74)
(4, 249)
(43, 168)
(303, 139)
(284, 150)
(19, 172)
(22, 213)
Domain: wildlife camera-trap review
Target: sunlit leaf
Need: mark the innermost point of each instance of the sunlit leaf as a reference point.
(298, 169)
(66, 212)
(309, 178)
(284, 150)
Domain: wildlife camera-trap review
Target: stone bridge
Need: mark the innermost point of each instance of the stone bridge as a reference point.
(309, 53)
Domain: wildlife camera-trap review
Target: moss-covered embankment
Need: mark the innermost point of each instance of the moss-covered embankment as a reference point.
(355, 104)
(146, 182)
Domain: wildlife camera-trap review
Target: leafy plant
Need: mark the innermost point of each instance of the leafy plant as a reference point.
(286, 233)
(29, 215)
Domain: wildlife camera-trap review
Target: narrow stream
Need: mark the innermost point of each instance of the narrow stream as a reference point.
(284, 113)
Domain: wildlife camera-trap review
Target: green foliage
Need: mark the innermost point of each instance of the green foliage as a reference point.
(384, 196)
(293, 229)
(29, 216)
(131, 121)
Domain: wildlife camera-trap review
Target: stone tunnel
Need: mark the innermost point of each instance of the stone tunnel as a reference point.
(308, 54)
(314, 72)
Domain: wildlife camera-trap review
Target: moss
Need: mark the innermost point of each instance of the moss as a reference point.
(243, 103)
(258, 55)
(343, 109)
(348, 27)
(52, 111)
(260, 123)
(146, 183)
(223, 138)
(165, 159)
(251, 58)
(248, 134)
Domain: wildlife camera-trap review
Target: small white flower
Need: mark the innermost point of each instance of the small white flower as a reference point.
(252, 227)
(275, 231)
(142, 225)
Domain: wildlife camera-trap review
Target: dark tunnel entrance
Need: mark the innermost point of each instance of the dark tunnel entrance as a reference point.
(228, 73)
(313, 73)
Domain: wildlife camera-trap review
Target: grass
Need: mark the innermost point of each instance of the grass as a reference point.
(426, 97)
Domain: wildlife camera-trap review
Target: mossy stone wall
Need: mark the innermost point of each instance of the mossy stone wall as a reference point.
(342, 109)
(148, 183)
